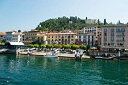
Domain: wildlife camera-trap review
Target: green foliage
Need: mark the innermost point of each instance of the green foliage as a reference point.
(66, 46)
(88, 47)
(49, 46)
(57, 46)
(36, 45)
(75, 47)
(61, 23)
(30, 45)
(2, 43)
(84, 47)
(43, 46)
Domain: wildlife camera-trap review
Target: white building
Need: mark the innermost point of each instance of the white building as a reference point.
(13, 36)
(89, 35)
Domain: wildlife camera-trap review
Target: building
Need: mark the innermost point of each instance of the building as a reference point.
(42, 38)
(88, 35)
(30, 36)
(61, 38)
(91, 21)
(99, 36)
(2, 36)
(13, 36)
(114, 37)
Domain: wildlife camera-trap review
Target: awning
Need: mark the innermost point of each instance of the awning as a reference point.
(16, 43)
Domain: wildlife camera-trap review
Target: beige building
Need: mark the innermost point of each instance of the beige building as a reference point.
(42, 38)
(61, 38)
(114, 37)
(30, 36)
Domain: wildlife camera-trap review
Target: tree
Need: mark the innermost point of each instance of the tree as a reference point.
(105, 22)
(119, 22)
(66, 46)
(43, 46)
(49, 46)
(61, 23)
(75, 47)
(19, 30)
(84, 47)
(57, 46)
(88, 47)
(36, 45)
(98, 22)
(30, 45)
(86, 18)
(1, 44)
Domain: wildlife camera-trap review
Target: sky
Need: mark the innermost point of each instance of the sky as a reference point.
(27, 14)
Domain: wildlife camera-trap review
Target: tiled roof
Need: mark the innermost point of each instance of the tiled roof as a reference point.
(62, 33)
(2, 33)
(17, 34)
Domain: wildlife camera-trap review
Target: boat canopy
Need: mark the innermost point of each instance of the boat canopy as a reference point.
(16, 43)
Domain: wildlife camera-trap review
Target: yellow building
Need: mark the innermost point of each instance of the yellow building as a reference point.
(30, 36)
(61, 38)
(41, 37)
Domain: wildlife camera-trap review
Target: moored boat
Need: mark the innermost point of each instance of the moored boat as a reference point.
(3, 50)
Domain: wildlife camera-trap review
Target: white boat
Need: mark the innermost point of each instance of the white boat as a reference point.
(98, 57)
(3, 50)
(51, 56)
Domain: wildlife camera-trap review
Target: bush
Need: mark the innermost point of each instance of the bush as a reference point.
(43, 46)
(2, 44)
(57, 46)
(84, 47)
(66, 46)
(36, 45)
(49, 46)
(88, 47)
(75, 47)
(31, 45)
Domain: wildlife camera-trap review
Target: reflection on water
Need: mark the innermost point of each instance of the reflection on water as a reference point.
(33, 70)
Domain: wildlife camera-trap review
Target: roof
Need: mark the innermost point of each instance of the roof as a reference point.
(16, 43)
(107, 26)
(40, 35)
(92, 34)
(62, 33)
(18, 33)
(2, 33)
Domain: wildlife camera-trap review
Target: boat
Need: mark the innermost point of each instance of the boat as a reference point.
(51, 56)
(3, 50)
(99, 57)
(123, 57)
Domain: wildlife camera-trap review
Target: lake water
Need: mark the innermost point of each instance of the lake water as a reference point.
(33, 70)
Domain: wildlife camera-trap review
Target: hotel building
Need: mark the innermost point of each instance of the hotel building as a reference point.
(88, 35)
(30, 36)
(61, 38)
(114, 37)
(13, 36)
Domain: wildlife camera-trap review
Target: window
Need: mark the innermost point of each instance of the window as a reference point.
(112, 38)
(105, 30)
(105, 34)
(112, 30)
(105, 38)
(123, 29)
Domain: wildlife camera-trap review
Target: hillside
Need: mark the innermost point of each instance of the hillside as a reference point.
(61, 23)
